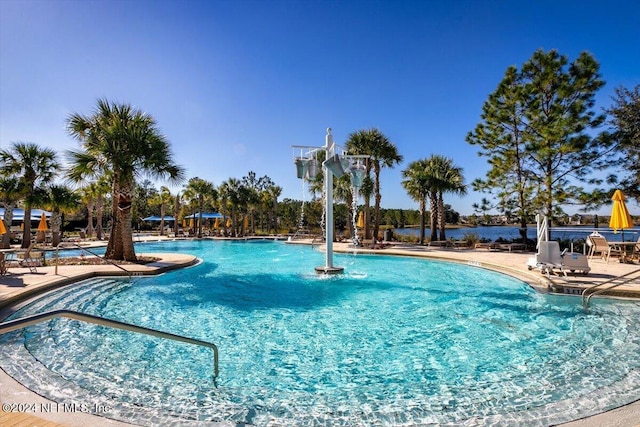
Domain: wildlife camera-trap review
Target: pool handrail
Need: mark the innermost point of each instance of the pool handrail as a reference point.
(13, 325)
(597, 289)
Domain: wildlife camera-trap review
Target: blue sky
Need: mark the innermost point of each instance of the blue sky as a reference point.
(233, 84)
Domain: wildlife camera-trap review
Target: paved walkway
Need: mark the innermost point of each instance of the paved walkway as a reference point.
(21, 283)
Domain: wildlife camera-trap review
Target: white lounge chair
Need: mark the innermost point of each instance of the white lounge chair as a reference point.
(600, 245)
(547, 259)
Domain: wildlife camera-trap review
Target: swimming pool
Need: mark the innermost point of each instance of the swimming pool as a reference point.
(393, 341)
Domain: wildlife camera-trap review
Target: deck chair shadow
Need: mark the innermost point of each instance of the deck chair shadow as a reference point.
(30, 258)
(548, 258)
(599, 245)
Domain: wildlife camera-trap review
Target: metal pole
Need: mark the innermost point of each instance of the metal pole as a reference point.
(330, 151)
(328, 189)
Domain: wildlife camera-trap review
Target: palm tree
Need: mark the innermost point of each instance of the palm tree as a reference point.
(450, 180)
(383, 154)
(252, 186)
(361, 143)
(343, 191)
(274, 192)
(199, 190)
(441, 176)
(92, 194)
(235, 194)
(35, 167)
(416, 182)
(123, 142)
(59, 199)
(176, 213)
(162, 199)
(10, 194)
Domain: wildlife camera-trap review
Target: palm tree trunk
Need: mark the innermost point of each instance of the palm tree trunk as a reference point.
(162, 219)
(441, 217)
(275, 216)
(378, 197)
(26, 232)
(125, 212)
(56, 225)
(423, 212)
(176, 212)
(114, 235)
(90, 229)
(433, 204)
(99, 211)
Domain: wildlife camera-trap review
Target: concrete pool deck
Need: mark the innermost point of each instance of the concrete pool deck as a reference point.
(20, 284)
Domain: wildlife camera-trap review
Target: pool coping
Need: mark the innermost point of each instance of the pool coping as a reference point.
(12, 391)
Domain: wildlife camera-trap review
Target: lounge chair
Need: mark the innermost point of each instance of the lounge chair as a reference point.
(30, 258)
(441, 243)
(547, 259)
(491, 246)
(636, 250)
(600, 245)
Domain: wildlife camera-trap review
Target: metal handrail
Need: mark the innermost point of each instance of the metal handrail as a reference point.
(12, 325)
(587, 298)
(94, 254)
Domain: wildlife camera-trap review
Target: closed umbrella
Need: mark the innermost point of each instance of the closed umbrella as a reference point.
(228, 222)
(3, 230)
(620, 217)
(216, 224)
(42, 226)
(246, 222)
(360, 223)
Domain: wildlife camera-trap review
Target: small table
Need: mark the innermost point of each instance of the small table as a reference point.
(624, 248)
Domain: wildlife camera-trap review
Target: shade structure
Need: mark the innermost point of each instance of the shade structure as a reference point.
(228, 222)
(18, 214)
(620, 217)
(216, 224)
(3, 229)
(205, 215)
(360, 223)
(155, 218)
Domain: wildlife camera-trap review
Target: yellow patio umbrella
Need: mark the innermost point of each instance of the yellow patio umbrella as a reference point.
(191, 223)
(3, 230)
(360, 223)
(228, 222)
(184, 223)
(216, 224)
(620, 217)
(246, 222)
(42, 226)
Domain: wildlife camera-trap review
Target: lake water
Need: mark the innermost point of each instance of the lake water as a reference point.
(510, 232)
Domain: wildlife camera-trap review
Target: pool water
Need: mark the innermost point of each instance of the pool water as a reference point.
(393, 341)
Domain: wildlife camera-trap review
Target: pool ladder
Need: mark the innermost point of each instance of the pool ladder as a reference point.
(13, 325)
